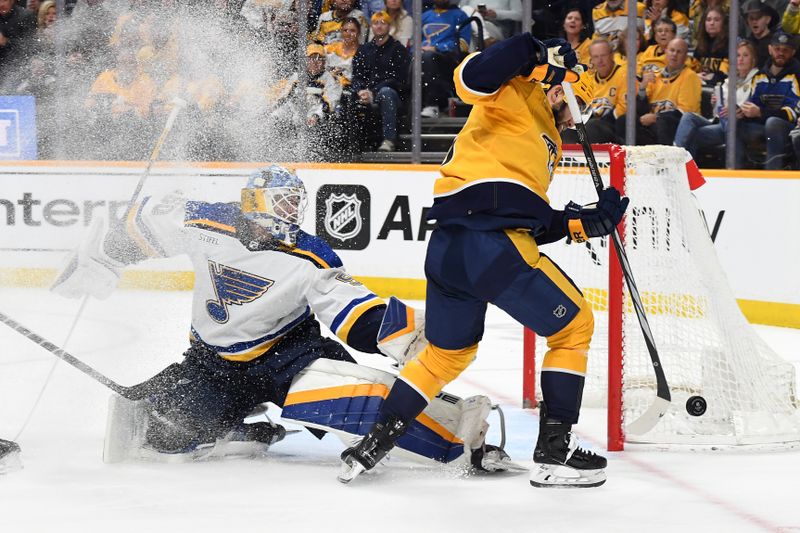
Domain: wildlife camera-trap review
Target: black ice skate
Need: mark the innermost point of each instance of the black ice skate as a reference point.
(371, 449)
(560, 462)
(9, 456)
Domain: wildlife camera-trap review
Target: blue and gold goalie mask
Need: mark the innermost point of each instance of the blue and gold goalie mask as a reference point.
(275, 199)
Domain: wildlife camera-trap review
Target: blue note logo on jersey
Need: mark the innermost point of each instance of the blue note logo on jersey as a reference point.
(233, 287)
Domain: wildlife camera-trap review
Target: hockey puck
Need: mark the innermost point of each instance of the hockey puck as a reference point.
(696, 405)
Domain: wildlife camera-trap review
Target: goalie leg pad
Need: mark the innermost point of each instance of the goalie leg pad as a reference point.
(345, 398)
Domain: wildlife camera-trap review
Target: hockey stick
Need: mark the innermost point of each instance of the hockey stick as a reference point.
(128, 392)
(65, 356)
(659, 407)
(177, 105)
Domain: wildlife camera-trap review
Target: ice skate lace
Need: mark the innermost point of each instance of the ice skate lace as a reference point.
(574, 447)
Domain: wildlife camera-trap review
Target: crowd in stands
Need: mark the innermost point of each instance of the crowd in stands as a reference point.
(107, 73)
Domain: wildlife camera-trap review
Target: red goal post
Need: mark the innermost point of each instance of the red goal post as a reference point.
(610, 298)
(614, 158)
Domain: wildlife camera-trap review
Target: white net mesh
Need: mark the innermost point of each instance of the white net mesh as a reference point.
(704, 341)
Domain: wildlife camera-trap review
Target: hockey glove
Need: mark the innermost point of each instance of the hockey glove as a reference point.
(556, 62)
(584, 222)
(89, 270)
(402, 332)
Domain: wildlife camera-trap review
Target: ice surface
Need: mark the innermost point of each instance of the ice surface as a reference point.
(65, 486)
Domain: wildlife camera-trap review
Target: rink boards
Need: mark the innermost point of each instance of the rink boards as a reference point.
(374, 217)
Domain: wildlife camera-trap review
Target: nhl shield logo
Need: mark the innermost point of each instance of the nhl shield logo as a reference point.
(343, 216)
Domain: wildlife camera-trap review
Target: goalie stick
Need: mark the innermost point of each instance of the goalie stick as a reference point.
(178, 105)
(136, 392)
(661, 403)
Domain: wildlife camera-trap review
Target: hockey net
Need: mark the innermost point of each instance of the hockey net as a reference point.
(707, 347)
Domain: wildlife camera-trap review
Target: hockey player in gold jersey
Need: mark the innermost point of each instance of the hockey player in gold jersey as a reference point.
(492, 214)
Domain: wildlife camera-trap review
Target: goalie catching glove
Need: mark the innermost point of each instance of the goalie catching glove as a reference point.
(89, 270)
(595, 220)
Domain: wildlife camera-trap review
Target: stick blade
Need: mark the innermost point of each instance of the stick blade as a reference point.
(649, 418)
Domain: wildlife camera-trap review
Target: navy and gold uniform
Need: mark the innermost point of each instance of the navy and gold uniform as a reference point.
(492, 210)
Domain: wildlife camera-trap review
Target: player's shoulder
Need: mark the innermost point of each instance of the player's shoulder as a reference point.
(315, 250)
(219, 217)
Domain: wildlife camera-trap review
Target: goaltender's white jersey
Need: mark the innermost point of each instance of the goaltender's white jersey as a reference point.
(244, 301)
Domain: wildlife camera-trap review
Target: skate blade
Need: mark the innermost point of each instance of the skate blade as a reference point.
(145, 453)
(350, 470)
(494, 466)
(564, 477)
(10, 463)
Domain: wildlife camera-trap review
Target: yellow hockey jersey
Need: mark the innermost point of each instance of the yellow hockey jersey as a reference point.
(608, 23)
(680, 91)
(681, 24)
(651, 59)
(582, 51)
(502, 161)
(608, 94)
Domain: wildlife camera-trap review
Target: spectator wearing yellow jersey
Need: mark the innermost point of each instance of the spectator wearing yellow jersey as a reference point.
(656, 10)
(329, 26)
(339, 55)
(791, 17)
(119, 105)
(663, 97)
(654, 57)
(611, 19)
(608, 82)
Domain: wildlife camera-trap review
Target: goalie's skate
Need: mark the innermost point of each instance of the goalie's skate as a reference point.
(9, 456)
(371, 449)
(560, 462)
(490, 459)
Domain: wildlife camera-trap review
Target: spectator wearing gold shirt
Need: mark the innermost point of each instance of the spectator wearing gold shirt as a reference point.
(608, 81)
(664, 96)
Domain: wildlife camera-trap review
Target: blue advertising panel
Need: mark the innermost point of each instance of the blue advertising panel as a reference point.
(17, 127)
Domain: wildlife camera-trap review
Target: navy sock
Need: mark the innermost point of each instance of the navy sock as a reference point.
(403, 402)
(562, 393)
